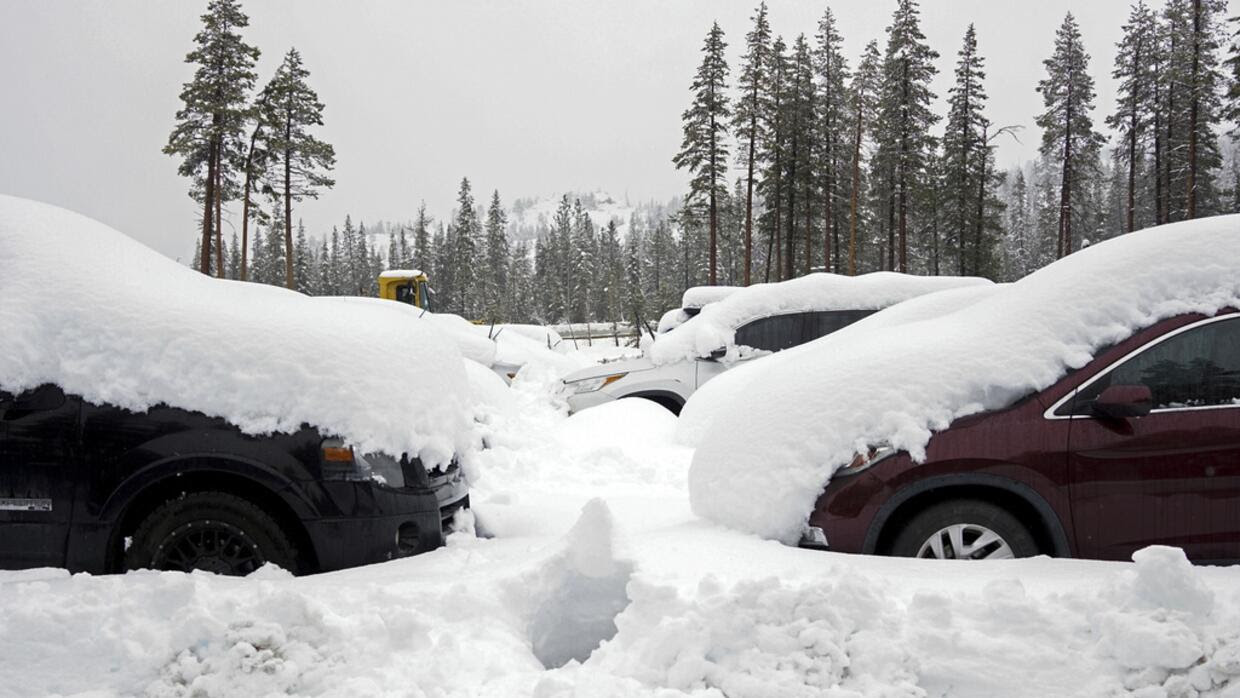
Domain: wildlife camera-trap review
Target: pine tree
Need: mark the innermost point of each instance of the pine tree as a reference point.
(495, 270)
(467, 253)
(863, 103)
(754, 72)
(905, 118)
(833, 130)
(1135, 98)
(301, 260)
(800, 156)
(207, 134)
(299, 161)
(1018, 253)
(1068, 137)
(704, 150)
(234, 258)
(772, 145)
(422, 241)
(325, 284)
(1204, 107)
(966, 159)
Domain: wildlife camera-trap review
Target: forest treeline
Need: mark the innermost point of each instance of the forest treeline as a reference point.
(802, 159)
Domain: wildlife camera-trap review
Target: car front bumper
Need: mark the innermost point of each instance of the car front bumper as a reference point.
(373, 523)
(580, 401)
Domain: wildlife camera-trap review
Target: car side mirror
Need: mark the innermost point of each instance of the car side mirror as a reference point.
(1124, 401)
(716, 354)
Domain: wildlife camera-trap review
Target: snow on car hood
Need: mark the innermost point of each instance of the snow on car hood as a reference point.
(715, 326)
(771, 449)
(99, 314)
(610, 368)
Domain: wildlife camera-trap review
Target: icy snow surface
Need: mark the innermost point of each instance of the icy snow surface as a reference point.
(600, 582)
(770, 449)
(105, 317)
(715, 326)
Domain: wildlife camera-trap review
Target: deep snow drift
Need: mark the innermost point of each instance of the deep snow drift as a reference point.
(107, 318)
(768, 452)
(715, 326)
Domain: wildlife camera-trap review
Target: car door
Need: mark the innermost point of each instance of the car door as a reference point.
(1171, 477)
(38, 458)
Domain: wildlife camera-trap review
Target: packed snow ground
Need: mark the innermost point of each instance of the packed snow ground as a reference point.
(597, 580)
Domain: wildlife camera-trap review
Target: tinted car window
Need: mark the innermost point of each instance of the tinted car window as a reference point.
(773, 333)
(1196, 368)
(821, 324)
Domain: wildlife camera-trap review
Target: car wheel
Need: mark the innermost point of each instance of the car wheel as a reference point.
(210, 531)
(964, 529)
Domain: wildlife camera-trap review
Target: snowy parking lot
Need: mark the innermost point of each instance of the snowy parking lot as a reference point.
(592, 577)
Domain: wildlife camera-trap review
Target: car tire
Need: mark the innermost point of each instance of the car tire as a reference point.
(964, 529)
(210, 531)
(666, 403)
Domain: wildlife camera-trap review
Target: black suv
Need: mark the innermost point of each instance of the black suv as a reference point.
(97, 488)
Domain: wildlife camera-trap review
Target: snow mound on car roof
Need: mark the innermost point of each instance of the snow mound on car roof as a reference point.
(700, 296)
(104, 317)
(769, 452)
(715, 326)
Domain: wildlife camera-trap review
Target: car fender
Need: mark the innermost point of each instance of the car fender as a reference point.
(1054, 526)
(159, 472)
(664, 381)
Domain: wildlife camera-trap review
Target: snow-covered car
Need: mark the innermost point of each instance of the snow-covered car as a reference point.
(691, 303)
(151, 416)
(1089, 409)
(744, 324)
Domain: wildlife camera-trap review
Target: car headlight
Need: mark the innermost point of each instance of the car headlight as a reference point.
(589, 385)
(341, 462)
(865, 461)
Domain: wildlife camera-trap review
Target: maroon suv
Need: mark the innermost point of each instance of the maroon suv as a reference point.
(1139, 447)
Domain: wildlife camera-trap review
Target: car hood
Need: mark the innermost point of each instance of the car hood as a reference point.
(609, 369)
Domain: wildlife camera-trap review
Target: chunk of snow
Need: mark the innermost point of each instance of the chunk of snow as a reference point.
(769, 452)
(700, 296)
(715, 326)
(104, 317)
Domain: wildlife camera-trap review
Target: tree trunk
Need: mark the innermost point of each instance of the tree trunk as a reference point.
(753, 135)
(1194, 100)
(1064, 247)
(714, 220)
(219, 222)
(903, 182)
(981, 209)
(852, 199)
(208, 229)
(245, 206)
(288, 200)
(1160, 204)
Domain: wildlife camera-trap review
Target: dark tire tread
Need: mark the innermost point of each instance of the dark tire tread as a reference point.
(273, 544)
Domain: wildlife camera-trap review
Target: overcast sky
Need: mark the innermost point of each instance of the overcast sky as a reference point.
(531, 97)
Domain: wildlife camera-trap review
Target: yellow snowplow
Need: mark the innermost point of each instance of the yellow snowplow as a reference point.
(407, 286)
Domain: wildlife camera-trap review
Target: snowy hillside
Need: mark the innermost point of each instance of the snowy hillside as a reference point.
(528, 215)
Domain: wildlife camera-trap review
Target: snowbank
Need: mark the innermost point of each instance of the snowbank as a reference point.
(715, 326)
(99, 314)
(770, 451)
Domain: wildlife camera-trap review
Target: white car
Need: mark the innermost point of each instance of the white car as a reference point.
(746, 324)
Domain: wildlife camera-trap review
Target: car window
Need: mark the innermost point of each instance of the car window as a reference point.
(773, 333)
(821, 324)
(1196, 368)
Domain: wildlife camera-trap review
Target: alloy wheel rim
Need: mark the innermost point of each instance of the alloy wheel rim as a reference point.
(210, 546)
(965, 542)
